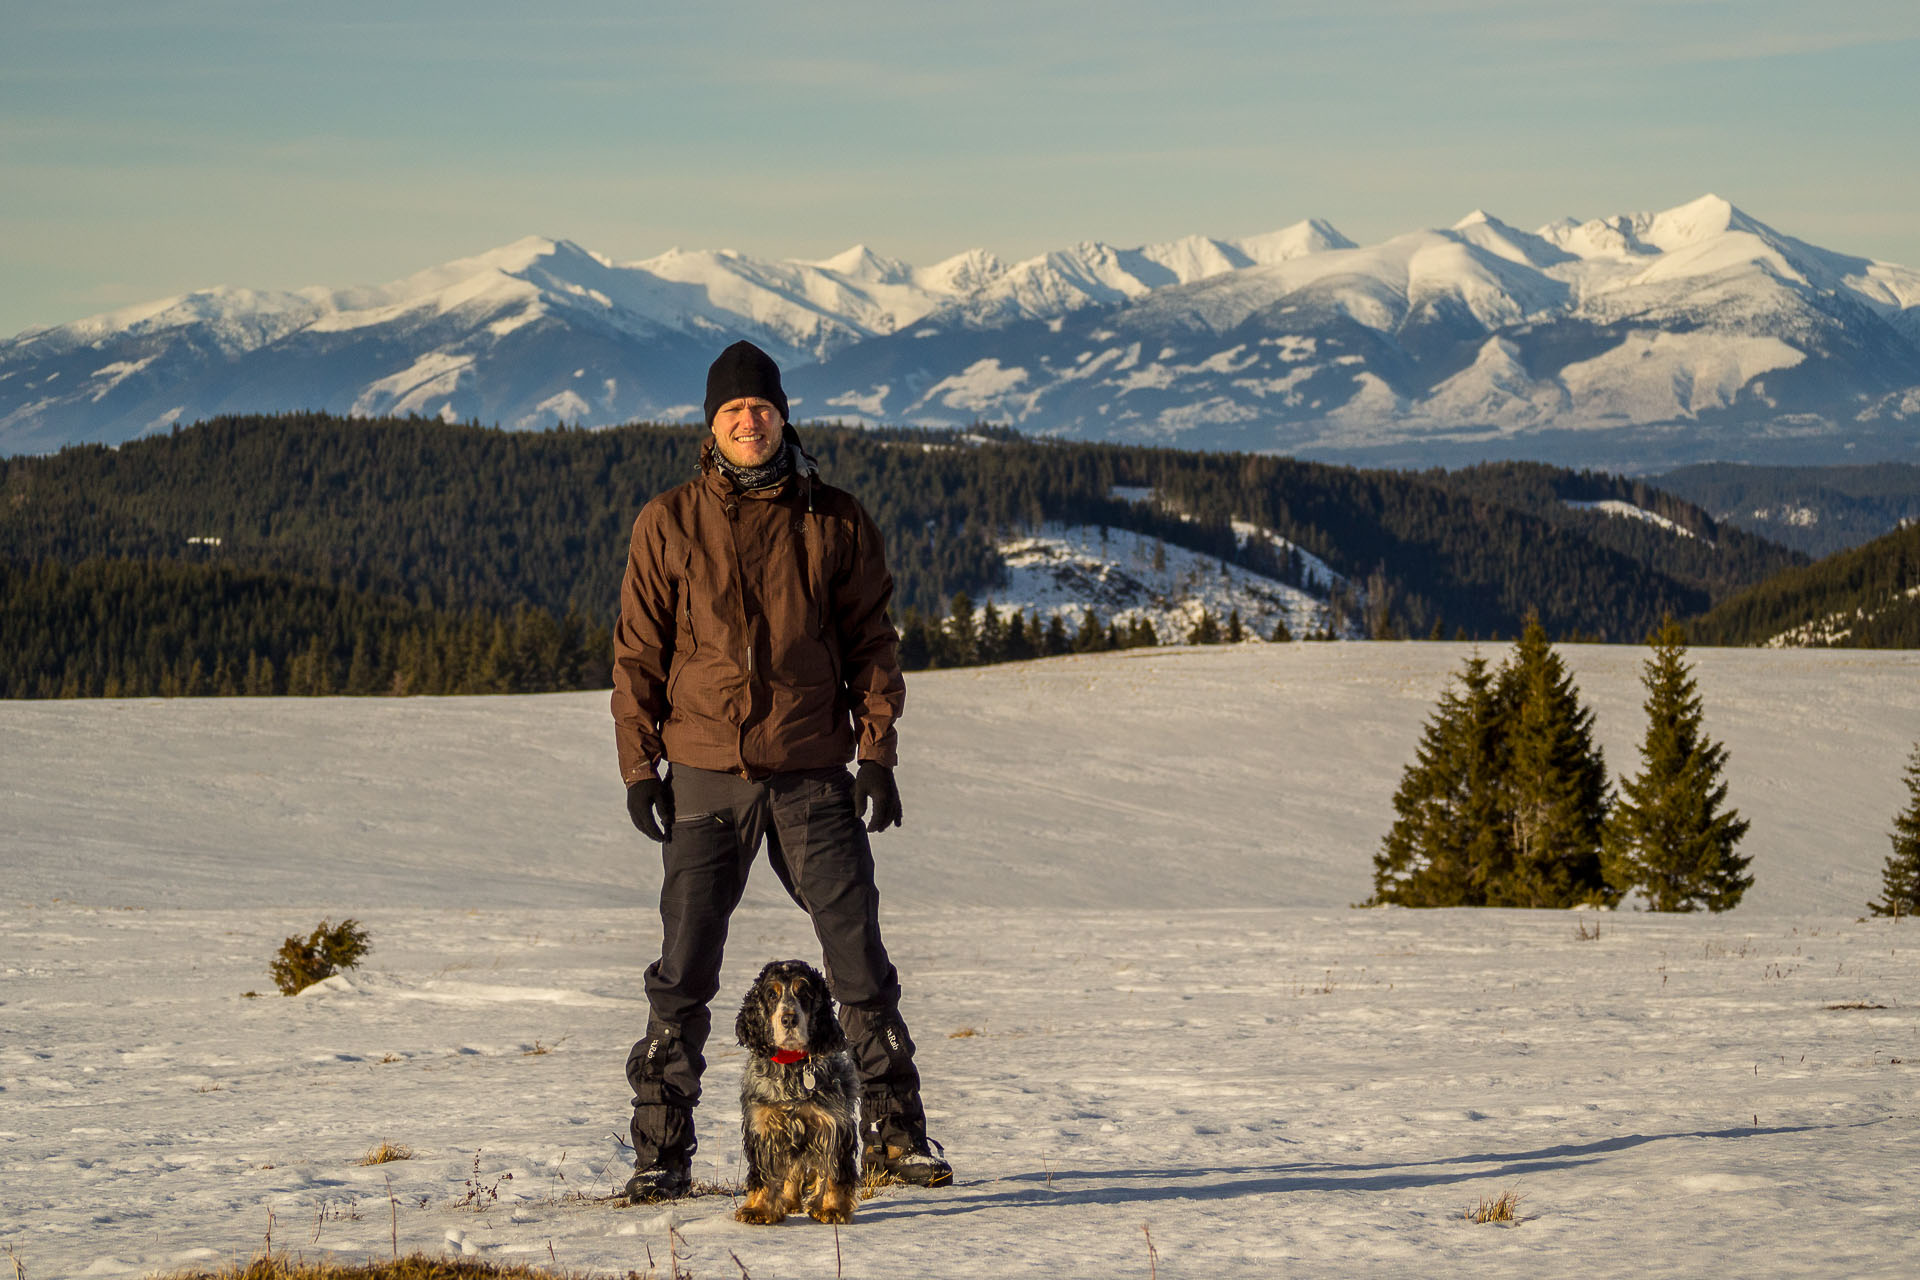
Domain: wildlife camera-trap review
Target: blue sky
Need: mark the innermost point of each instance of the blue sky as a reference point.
(156, 146)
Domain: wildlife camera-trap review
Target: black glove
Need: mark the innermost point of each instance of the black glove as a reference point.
(875, 782)
(644, 799)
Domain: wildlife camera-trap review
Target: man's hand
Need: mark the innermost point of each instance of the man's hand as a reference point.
(875, 782)
(645, 799)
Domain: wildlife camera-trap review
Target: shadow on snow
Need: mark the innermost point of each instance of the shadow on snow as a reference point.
(1109, 1186)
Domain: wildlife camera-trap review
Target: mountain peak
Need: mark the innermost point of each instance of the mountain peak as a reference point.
(519, 255)
(858, 262)
(1694, 221)
(1314, 235)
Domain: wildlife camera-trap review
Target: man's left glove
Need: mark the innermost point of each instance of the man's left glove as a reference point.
(647, 797)
(875, 782)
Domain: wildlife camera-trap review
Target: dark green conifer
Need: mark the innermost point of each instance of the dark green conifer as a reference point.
(1669, 837)
(993, 635)
(1900, 877)
(1557, 793)
(1206, 630)
(1092, 636)
(1057, 639)
(963, 633)
(1451, 831)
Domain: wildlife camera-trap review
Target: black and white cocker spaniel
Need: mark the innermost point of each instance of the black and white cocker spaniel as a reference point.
(799, 1099)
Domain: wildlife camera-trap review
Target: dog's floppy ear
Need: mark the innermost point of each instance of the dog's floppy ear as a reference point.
(751, 1028)
(824, 1034)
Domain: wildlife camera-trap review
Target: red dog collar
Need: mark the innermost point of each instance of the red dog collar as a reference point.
(787, 1057)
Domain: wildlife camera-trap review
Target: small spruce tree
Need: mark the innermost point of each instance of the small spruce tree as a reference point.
(1669, 836)
(963, 633)
(1206, 630)
(1900, 878)
(1092, 636)
(1557, 792)
(1056, 639)
(993, 635)
(1450, 835)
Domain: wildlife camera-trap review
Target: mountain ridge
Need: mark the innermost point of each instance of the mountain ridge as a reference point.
(1630, 341)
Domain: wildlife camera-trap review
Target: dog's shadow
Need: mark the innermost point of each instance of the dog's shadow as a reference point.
(1132, 1186)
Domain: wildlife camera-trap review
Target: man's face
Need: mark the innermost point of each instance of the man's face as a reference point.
(747, 431)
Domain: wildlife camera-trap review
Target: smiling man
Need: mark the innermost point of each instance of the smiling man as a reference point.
(755, 659)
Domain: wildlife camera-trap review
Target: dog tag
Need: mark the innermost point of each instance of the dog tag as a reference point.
(806, 1078)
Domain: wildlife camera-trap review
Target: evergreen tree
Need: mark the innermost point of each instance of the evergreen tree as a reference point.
(1668, 837)
(1206, 630)
(1556, 785)
(1236, 632)
(1900, 878)
(963, 633)
(993, 635)
(1092, 636)
(916, 643)
(1450, 836)
(1280, 633)
(1057, 639)
(1020, 638)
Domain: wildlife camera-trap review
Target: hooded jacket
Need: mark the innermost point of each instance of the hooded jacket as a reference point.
(753, 634)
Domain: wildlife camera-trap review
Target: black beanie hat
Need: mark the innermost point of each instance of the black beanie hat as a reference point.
(744, 370)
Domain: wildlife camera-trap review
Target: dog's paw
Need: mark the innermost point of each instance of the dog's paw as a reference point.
(760, 1215)
(832, 1215)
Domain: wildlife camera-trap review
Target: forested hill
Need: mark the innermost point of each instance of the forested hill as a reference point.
(459, 516)
(1818, 510)
(1865, 598)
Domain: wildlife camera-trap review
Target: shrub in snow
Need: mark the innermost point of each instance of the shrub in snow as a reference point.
(325, 951)
(1900, 878)
(1669, 837)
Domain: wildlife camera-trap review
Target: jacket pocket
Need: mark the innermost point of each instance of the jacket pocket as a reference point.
(686, 641)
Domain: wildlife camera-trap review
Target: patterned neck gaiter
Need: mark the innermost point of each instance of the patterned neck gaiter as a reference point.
(764, 476)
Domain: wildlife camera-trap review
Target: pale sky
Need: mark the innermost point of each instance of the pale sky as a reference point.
(151, 147)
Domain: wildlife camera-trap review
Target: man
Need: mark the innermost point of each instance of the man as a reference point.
(754, 656)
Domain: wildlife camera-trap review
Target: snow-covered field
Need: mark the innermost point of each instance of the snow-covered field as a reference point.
(1127, 875)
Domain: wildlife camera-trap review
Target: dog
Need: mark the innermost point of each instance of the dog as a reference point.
(799, 1099)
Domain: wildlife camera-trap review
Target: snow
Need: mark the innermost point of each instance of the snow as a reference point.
(982, 387)
(1627, 511)
(1127, 576)
(1281, 1085)
(432, 375)
(1653, 375)
(1695, 304)
(562, 406)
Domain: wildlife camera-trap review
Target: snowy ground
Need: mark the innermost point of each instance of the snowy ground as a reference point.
(1284, 1086)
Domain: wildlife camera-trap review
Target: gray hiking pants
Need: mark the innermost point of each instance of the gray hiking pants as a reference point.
(819, 850)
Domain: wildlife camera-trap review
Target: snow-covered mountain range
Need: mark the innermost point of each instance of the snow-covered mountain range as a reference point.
(1634, 340)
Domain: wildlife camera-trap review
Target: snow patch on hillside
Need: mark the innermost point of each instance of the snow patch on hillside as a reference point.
(1627, 511)
(1832, 630)
(1127, 576)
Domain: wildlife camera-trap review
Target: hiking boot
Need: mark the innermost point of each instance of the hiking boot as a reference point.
(668, 1178)
(913, 1165)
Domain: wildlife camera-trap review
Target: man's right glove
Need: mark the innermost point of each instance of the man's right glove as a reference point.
(875, 782)
(645, 799)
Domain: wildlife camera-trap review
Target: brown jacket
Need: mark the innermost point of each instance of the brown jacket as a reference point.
(753, 634)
